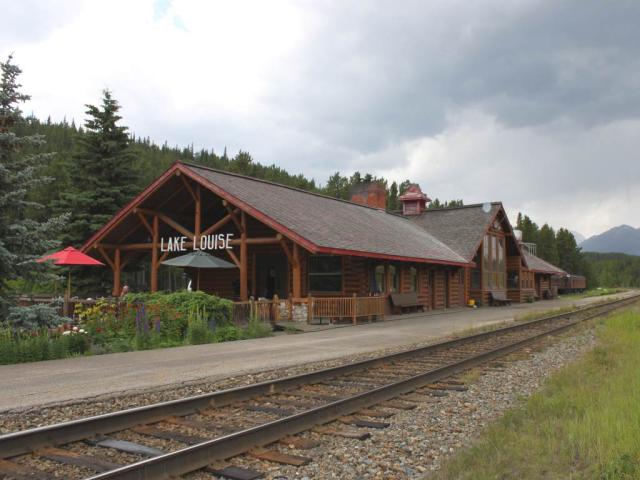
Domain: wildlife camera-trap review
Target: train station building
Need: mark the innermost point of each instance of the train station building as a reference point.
(290, 243)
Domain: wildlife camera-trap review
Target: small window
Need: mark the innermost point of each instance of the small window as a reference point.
(413, 279)
(325, 274)
(394, 279)
(513, 280)
(378, 279)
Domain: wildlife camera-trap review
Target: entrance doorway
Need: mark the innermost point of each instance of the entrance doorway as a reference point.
(271, 276)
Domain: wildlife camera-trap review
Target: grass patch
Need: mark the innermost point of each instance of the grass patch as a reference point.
(583, 424)
(595, 292)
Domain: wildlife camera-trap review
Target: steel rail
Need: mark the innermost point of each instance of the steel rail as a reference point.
(199, 456)
(22, 442)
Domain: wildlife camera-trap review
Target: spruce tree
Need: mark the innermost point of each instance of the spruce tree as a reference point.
(392, 197)
(103, 176)
(22, 238)
(547, 249)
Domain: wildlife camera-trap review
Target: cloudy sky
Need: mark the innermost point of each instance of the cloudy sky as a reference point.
(535, 103)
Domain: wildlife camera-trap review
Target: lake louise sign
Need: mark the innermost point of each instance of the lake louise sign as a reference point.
(220, 241)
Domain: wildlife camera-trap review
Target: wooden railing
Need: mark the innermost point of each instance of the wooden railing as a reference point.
(351, 308)
(262, 310)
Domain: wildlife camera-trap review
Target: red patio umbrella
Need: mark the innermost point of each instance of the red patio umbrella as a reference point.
(70, 256)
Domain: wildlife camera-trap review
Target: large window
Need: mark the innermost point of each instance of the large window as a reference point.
(493, 263)
(325, 274)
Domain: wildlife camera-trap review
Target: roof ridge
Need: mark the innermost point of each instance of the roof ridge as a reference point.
(471, 205)
(269, 182)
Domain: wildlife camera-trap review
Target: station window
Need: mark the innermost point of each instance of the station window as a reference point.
(325, 274)
(413, 279)
(394, 278)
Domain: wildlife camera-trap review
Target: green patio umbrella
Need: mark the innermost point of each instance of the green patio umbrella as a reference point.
(198, 259)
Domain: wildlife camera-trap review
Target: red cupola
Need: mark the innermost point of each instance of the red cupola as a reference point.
(413, 200)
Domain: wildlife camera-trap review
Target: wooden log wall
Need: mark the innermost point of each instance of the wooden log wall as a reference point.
(423, 286)
(355, 276)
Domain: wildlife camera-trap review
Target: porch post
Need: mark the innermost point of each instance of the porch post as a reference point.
(297, 282)
(198, 219)
(154, 256)
(244, 295)
(116, 274)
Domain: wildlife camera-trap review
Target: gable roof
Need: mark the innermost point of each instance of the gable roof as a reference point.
(461, 228)
(319, 223)
(328, 224)
(538, 265)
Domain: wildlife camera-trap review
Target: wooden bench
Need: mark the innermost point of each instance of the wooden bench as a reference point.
(402, 301)
(498, 299)
(547, 294)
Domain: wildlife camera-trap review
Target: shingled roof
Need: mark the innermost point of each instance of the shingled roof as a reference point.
(538, 265)
(329, 224)
(460, 228)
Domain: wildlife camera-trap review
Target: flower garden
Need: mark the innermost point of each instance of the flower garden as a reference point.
(139, 321)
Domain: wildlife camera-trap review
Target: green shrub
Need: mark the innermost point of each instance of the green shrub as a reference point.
(34, 317)
(18, 347)
(257, 329)
(227, 333)
(198, 331)
(174, 308)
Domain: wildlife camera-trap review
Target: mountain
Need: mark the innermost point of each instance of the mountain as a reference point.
(620, 239)
(578, 236)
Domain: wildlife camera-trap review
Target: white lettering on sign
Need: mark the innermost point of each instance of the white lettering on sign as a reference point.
(219, 241)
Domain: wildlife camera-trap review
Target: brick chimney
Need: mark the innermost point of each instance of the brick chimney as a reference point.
(413, 200)
(370, 194)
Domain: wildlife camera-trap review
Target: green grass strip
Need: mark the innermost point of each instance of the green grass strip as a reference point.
(583, 424)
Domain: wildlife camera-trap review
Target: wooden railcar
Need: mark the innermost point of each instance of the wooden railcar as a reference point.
(569, 283)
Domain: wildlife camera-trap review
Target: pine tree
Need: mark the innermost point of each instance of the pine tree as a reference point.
(547, 248)
(22, 239)
(392, 197)
(103, 177)
(568, 251)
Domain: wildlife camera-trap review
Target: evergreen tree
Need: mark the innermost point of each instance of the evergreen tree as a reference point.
(547, 249)
(22, 238)
(529, 229)
(337, 186)
(568, 251)
(392, 197)
(103, 178)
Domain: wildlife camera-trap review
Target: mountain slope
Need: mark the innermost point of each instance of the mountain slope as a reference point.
(621, 239)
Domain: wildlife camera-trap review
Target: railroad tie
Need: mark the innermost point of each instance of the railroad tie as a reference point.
(399, 405)
(279, 457)
(235, 473)
(447, 386)
(72, 458)
(168, 435)
(359, 422)
(375, 413)
(17, 471)
(353, 433)
(273, 410)
(124, 446)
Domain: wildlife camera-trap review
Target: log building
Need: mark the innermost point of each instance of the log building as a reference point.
(294, 244)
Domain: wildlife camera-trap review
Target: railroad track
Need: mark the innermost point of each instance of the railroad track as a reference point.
(173, 438)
